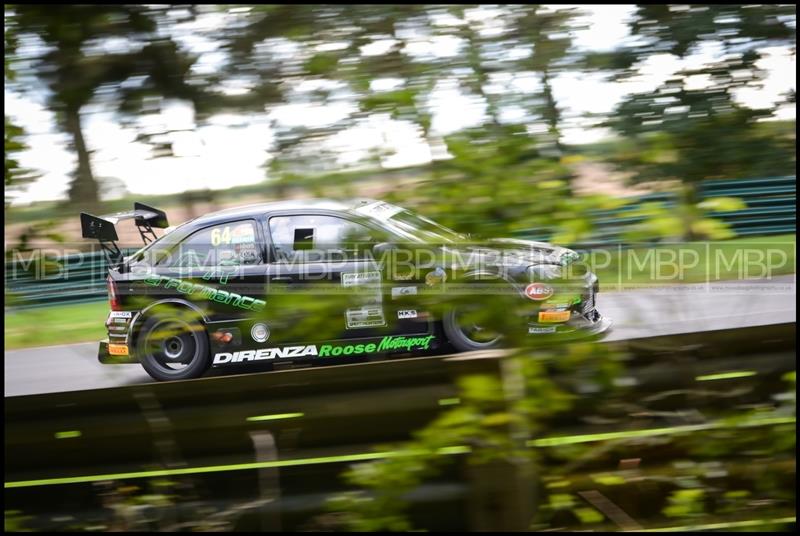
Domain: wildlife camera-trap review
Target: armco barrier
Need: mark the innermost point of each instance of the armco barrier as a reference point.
(770, 210)
(269, 448)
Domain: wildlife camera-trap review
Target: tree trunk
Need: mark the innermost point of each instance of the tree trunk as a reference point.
(690, 198)
(83, 189)
(551, 113)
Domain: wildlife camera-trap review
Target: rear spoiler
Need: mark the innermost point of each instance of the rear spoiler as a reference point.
(103, 228)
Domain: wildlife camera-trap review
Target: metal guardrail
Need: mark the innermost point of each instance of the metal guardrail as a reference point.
(270, 448)
(770, 210)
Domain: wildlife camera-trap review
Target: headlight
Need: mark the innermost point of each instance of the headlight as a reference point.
(539, 272)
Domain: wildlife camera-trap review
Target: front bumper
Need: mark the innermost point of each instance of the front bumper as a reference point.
(584, 318)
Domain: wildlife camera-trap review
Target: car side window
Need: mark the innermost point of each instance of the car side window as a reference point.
(227, 244)
(316, 238)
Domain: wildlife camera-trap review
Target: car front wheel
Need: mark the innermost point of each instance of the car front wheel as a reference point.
(467, 333)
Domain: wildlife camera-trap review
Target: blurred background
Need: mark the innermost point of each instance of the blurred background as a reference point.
(625, 126)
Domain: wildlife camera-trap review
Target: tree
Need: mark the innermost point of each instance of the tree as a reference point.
(16, 176)
(692, 127)
(83, 48)
(548, 32)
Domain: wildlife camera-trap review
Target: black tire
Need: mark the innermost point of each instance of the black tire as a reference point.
(173, 347)
(464, 337)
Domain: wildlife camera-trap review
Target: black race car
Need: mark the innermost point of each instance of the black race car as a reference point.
(303, 283)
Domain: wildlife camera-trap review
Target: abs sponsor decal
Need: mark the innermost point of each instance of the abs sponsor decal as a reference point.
(406, 313)
(120, 314)
(208, 293)
(264, 353)
(403, 291)
(539, 291)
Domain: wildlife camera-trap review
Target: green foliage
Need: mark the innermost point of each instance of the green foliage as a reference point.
(492, 419)
(16, 177)
(501, 185)
(684, 219)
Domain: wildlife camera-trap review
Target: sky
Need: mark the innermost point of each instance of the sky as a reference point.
(232, 150)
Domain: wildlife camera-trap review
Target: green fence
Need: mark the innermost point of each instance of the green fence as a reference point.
(770, 209)
(34, 279)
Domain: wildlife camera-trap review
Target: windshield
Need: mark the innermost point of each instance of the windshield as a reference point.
(423, 228)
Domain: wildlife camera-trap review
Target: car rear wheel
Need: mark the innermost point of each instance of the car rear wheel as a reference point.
(465, 333)
(173, 347)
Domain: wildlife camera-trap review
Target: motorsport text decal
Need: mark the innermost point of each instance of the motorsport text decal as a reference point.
(326, 350)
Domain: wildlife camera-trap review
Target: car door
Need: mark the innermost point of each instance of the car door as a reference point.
(322, 277)
(218, 269)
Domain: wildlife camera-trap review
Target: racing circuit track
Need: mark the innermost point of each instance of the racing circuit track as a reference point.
(635, 313)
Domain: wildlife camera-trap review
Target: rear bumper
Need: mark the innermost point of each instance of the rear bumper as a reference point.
(104, 357)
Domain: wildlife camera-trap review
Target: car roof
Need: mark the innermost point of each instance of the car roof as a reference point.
(274, 206)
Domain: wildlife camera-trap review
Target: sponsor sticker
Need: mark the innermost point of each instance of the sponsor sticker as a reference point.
(120, 314)
(539, 291)
(406, 343)
(365, 317)
(537, 329)
(385, 344)
(264, 353)
(407, 313)
(380, 210)
(555, 307)
(554, 316)
(118, 349)
(435, 277)
(243, 233)
(403, 291)
(360, 278)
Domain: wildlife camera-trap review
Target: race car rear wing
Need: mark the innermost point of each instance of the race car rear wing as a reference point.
(103, 228)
